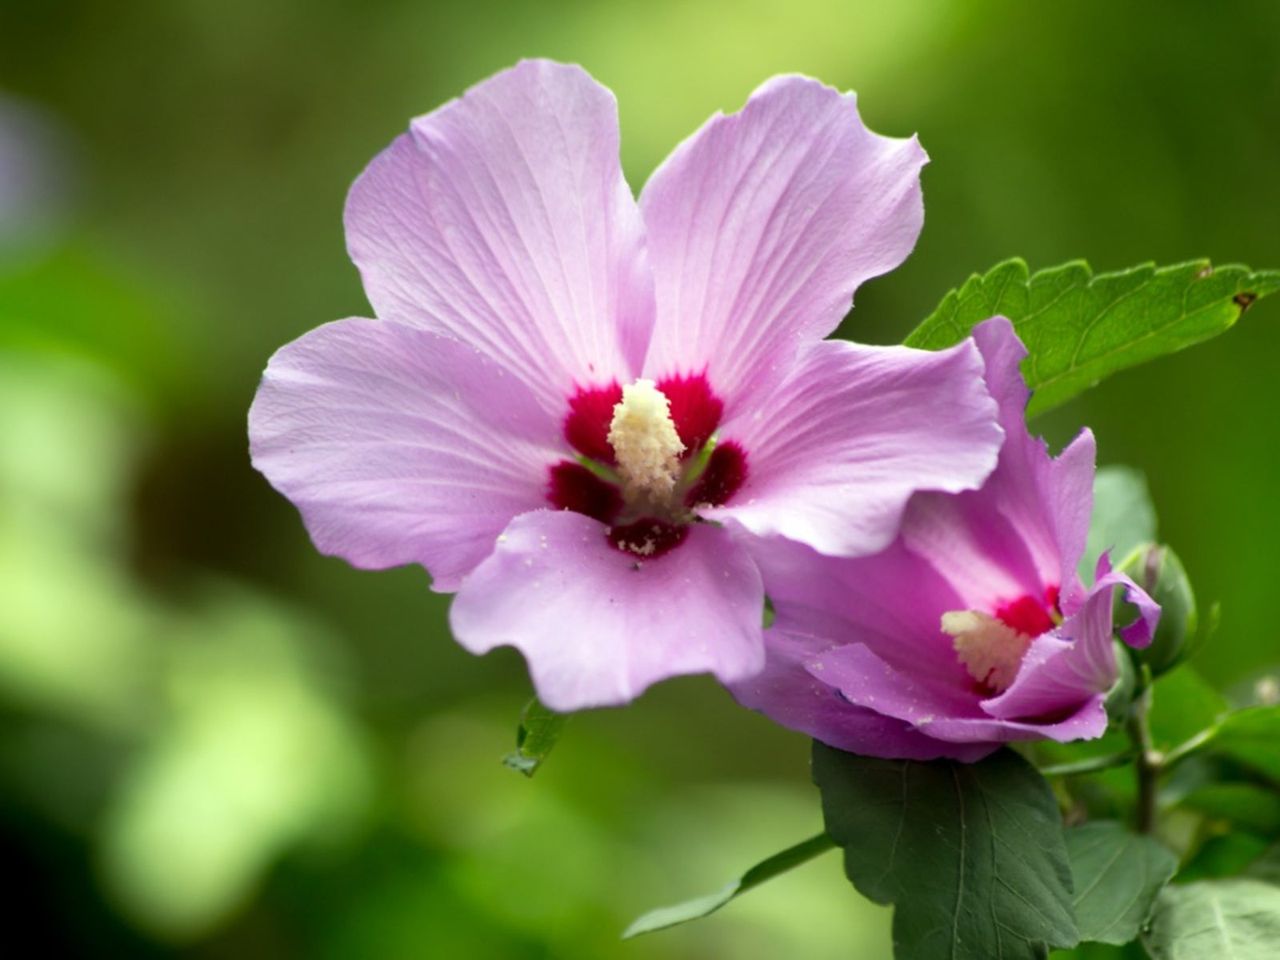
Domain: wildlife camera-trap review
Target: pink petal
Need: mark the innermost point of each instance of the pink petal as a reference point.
(597, 627)
(939, 712)
(1077, 660)
(503, 220)
(399, 445)
(891, 602)
(786, 692)
(1023, 531)
(834, 452)
(869, 680)
(1087, 721)
(763, 223)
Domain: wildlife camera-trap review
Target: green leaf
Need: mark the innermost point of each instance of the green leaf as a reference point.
(538, 732)
(972, 855)
(1250, 807)
(1117, 876)
(1183, 706)
(1267, 866)
(788, 859)
(1252, 736)
(1222, 855)
(1235, 919)
(1123, 517)
(1081, 328)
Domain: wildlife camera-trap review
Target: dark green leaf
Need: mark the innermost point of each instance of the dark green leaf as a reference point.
(1267, 866)
(1117, 876)
(972, 855)
(1101, 951)
(1250, 807)
(788, 859)
(1222, 855)
(1123, 517)
(1252, 737)
(538, 732)
(1081, 328)
(1236, 919)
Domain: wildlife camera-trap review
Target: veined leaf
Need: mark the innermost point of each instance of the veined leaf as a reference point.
(1081, 328)
(1235, 919)
(788, 859)
(538, 732)
(971, 855)
(1118, 875)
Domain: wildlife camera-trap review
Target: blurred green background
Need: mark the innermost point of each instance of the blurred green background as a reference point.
(216, 743)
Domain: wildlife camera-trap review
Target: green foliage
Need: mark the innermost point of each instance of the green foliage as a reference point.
(74, 303)
(971, 855)
(1237, 919)
(1183, 706)
(536, 735)
(1080, 327)
(1117, 875)
(698, 907)
(1246, 805)
(1252, 737)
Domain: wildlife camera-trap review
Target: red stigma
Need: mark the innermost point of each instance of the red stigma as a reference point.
(695, 410)
(1027, 615)
(1051, 597)
(586, 426)
(725, 473)
(573, 487)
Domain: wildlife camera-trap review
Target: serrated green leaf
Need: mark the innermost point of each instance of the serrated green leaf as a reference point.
(1117, 876)
(971, 855)
(767, 869)
(1123, 517)
(538, 732)
(1081, 328)
(1235, 919)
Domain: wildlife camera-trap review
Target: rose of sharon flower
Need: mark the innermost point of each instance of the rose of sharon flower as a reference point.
(576, 410)
(973, 628)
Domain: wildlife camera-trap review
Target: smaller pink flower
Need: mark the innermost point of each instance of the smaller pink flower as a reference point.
(577, 410)
(972, 629)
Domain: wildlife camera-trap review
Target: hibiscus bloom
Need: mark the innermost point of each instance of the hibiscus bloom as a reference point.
(973, 628)
(576, 409)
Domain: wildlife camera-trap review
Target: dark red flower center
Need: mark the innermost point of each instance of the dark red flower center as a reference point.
(1031, 616)
(707, 471)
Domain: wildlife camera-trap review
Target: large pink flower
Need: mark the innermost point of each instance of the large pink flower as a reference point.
(575, 409)
(973, 629)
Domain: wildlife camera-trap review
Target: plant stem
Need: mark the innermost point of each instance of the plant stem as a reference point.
(1088, 765)
(1187, 748)
(1148, 760)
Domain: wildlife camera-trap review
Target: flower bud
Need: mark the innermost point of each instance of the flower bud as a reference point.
(1157, 569)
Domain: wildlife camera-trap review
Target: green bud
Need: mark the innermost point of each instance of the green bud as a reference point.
(1157, 569)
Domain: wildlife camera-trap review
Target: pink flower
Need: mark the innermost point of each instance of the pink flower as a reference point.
(973, 628)
(576, 410)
